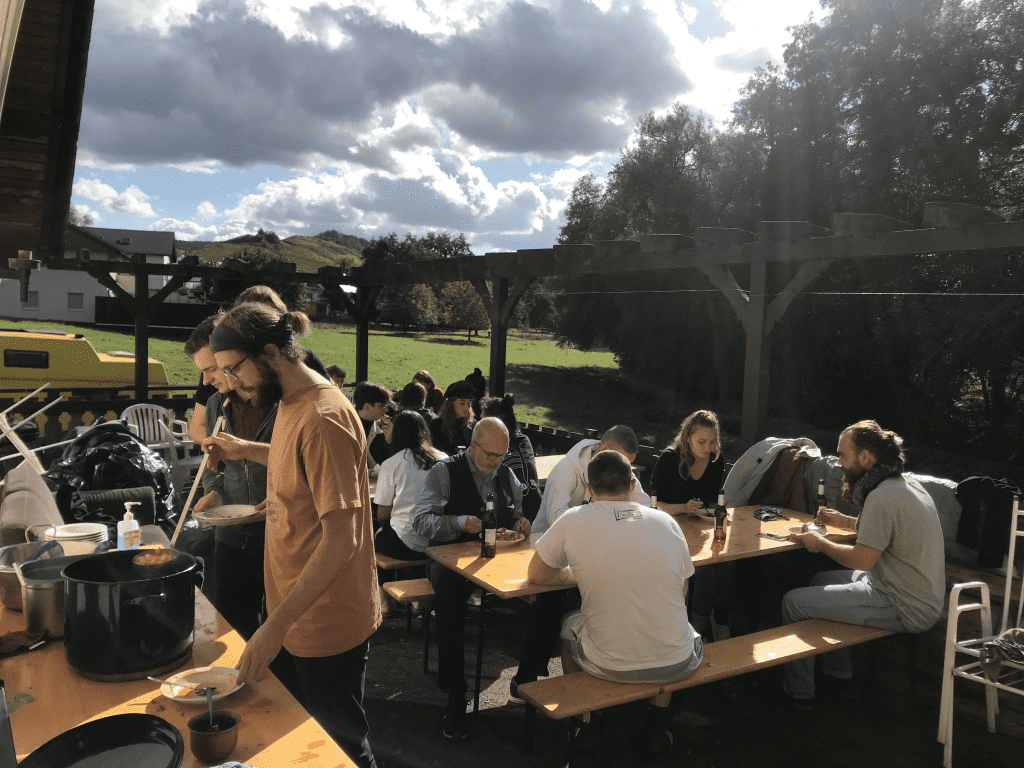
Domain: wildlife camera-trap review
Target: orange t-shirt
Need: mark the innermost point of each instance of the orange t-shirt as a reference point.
(317, 467)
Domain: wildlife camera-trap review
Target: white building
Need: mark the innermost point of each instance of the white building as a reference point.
(66, 296)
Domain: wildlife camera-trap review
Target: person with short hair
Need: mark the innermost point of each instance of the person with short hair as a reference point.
(337, 374)
(632, 564)
(238, 549)
(449, 509)
(320, 574)
(372, 402)
(566, 485)
(896, 577)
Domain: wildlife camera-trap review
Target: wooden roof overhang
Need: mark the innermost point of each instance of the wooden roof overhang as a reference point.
(39, 125)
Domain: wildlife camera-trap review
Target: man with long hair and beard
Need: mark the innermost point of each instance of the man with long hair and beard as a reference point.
(320, 576)
(896, 578)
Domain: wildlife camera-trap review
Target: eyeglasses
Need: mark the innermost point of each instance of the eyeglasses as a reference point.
(490, 456)
(231, 371)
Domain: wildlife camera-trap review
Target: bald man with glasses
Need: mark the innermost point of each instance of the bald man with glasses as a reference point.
(449, 509)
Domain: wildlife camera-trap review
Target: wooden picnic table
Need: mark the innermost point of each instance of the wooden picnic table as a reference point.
(505, 574)
(48, 697)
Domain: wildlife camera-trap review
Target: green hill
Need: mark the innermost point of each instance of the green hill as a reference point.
(307, 253)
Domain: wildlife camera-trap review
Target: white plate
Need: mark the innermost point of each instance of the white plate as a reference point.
(180, 687)
(705, 514)
(519, 537)
(799, 530)
(229, 514)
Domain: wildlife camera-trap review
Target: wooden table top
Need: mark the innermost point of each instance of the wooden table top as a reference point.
(505, 574)
(47, 697)
(546, 463)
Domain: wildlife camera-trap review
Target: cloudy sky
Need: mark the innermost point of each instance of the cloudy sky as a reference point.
(212, 118)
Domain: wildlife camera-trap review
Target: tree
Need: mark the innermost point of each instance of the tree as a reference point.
(461, 307)
(251, 264)
(409, 305)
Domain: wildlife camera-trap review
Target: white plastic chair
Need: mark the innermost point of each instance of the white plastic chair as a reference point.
(163, 433)
(1011, 674)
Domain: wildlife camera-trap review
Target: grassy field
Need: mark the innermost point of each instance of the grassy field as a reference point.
(538, 370)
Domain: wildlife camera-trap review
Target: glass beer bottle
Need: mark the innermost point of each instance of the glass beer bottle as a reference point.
(489, 534)
(720, 516)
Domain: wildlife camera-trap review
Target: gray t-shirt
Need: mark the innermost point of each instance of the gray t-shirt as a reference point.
(899, 518)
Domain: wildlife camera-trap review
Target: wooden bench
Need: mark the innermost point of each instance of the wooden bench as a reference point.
(414, 591)
(392, 564)
(579, 693)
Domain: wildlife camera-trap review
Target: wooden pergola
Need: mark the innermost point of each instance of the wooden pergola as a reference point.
(501, 279)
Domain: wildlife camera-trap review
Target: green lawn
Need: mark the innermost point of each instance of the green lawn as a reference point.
(542, 375)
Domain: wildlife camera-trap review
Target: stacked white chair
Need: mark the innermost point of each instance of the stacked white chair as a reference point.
(1008, 675)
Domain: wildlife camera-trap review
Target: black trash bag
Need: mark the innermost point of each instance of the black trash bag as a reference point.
(108, 457)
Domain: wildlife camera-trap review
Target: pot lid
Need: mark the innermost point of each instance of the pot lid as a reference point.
(138, 740)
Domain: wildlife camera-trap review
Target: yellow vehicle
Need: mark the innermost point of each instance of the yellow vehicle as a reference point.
(33, 357)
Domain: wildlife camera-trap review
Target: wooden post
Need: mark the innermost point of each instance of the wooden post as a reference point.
(366, 295)
(756, 359)
(500, 305)
(141, 314)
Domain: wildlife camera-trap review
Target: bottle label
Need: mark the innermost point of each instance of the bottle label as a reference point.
(490, 536)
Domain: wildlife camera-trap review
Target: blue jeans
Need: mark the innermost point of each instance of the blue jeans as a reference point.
(846, 596)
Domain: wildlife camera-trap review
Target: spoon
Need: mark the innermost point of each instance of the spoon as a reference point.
(208, 690)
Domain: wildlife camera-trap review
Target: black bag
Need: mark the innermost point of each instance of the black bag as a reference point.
(986, 505)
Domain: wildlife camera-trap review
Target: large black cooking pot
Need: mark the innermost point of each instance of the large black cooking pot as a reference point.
(125, 621)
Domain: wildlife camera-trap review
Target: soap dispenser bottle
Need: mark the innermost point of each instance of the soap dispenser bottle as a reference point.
(128, 534)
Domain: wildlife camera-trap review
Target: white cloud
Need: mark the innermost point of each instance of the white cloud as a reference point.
(206, 210)
(133, 201)
(185, 230)
(162, 17)
(85, 213)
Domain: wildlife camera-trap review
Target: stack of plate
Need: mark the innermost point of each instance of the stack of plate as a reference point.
(77, 538)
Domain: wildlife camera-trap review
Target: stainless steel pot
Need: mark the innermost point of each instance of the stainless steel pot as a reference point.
(42, 594)
(125, 621)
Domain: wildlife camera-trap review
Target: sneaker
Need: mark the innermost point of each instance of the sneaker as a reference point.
(454, 725)
(475, 599)
(513, 692)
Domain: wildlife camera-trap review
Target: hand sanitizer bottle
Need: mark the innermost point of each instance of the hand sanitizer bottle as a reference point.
(128, 534)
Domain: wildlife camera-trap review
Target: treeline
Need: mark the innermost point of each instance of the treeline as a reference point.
(884, 106)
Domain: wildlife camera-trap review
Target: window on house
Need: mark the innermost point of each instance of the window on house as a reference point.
(76, 301)
(33, 300)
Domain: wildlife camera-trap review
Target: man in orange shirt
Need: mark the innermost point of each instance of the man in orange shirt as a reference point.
(321, 586)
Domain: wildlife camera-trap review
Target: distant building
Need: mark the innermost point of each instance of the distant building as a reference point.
(67, 296)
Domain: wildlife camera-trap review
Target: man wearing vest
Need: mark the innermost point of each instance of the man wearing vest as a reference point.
(449, 509)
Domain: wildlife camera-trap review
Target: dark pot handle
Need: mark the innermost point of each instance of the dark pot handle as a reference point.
(200, 572)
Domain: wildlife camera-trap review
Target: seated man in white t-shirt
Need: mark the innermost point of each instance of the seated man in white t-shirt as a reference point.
(631, 563)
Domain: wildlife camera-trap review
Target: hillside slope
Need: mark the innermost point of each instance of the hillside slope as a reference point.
(307, 253)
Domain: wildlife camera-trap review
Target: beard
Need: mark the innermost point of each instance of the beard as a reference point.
(268, 390)
(850, 478)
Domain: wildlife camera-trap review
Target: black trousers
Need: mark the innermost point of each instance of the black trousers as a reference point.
(330, 688)
(239, 585)
(451, 592)
(542, 634)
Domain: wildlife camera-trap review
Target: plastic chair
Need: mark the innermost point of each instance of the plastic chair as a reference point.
(1010, 674)
(163, 433)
